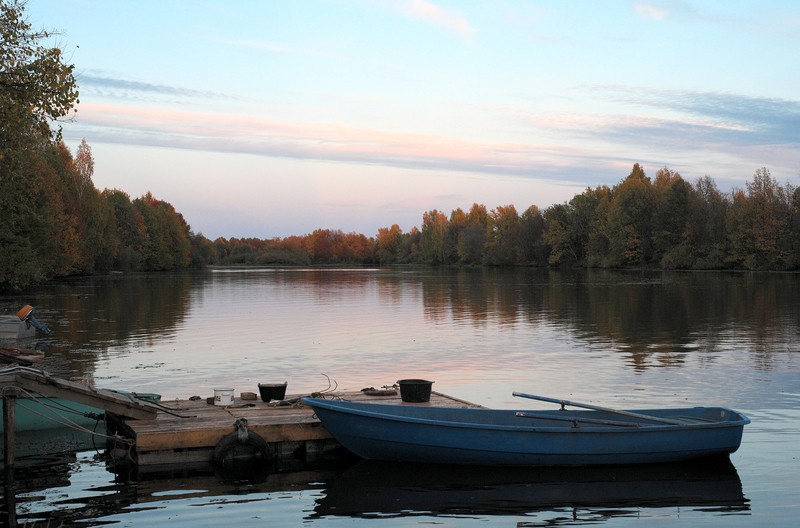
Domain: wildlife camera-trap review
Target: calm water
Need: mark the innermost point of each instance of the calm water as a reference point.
(615, 339)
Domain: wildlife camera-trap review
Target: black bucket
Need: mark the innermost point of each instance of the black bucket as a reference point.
(272, 391)
(415, 390)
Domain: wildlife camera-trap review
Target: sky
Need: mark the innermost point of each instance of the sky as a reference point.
(275, 118)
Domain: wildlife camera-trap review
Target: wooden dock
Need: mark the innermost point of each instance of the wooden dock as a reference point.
(185, 432)
(33, 386)
(157, 436)
(19, 380)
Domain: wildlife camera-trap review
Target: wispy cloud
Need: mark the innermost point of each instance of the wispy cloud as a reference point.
(447, 18)
(126, 88)
(650, 10)
(725, 135)
(743, 119)
(708, 132)
(318, 141)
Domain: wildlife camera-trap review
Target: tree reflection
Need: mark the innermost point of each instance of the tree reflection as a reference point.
(651, 319)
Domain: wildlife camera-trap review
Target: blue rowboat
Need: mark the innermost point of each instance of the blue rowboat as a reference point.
(421, 433)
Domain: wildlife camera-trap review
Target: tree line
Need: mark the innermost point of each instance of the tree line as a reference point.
(54, 222)
(663, 223)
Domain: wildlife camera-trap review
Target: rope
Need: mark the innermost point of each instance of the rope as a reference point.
(66, 422)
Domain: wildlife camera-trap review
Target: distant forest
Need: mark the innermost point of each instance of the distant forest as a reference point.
(664, 223)
(54, 222)
(65, 226)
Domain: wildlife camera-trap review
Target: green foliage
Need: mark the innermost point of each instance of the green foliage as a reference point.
(629, 221)
(387, 244)
(166, 243)
(54, 222)
(433, 239)
(670, 219)
(21, 225)
(49, 228)
(503, 244)
(667, 224)
(36, 85)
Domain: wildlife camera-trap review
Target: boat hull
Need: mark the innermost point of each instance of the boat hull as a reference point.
(497, 437)
(12, 328)
(39, 414)
(46, 426)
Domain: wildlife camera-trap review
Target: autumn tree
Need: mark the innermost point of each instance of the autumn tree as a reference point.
(575, 232)
(472, 238)
(670, 219)
(409, 252)
(32, 224)
(629, 223)
(455, 228)
(387, 244)
(129, 228)
(166, 243)
(503, 243)
(320, 245)
(706, 234)
(563, 249)
(84, 169)
(739, 233)
(758, 224)
(532, 249)
(36, 88)
(433, 238)
(36, 85)
(203, 251)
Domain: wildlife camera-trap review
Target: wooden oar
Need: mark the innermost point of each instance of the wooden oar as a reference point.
(598, 408)
(575, 420)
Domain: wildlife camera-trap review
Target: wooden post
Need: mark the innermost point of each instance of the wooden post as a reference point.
(10, 420)
(9, 516)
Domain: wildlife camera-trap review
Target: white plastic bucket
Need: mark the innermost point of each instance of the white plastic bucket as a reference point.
(223, 397)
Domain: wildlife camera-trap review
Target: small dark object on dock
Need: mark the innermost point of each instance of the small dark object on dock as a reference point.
(372, 391)
(415, 390)
(272, 391)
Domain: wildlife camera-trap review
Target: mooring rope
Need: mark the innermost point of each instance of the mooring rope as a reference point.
(66, 422)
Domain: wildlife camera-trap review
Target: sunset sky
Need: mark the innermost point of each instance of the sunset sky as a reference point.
(274, 118)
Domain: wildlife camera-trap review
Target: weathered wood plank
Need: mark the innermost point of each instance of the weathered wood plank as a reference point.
(41, 383)
(195, 435)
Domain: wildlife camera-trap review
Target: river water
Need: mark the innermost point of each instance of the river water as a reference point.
(617, 339)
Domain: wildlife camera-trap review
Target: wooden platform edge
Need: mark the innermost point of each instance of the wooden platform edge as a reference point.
(41, 383)
(293, 432)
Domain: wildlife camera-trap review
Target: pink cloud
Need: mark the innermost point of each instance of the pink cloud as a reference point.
(323, 141)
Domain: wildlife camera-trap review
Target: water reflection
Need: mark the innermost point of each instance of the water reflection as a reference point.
(381, 489)
(619, 339)
(89, 315)
(649, 319)
(78, 491)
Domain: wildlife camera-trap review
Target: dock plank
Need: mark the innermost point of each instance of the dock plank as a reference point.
(40, 383)
(196, 425)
